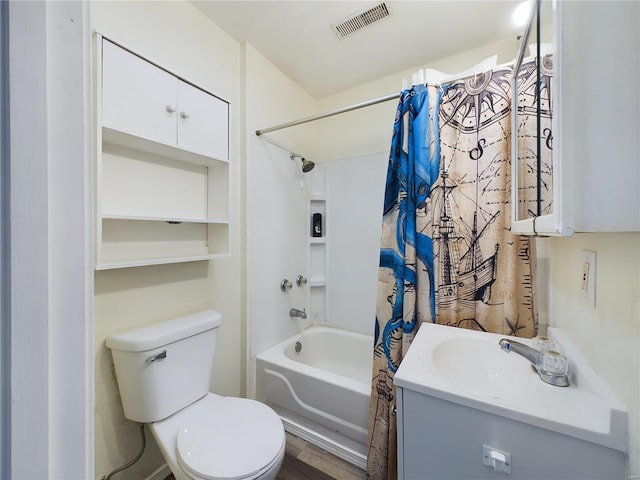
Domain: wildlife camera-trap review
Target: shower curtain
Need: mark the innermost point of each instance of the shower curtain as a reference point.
(446, 252)
(406, 288)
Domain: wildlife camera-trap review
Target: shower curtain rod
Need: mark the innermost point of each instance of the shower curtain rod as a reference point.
(357, 106)
(328, 114)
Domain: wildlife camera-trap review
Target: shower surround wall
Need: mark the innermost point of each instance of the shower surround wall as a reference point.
(277, 230)
(355, 193)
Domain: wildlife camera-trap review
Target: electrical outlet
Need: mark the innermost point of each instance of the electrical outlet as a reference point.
(585, 278)
(588, 277)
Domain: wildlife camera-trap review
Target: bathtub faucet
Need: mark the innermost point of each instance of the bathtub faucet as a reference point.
(551, 366)
(294, 312)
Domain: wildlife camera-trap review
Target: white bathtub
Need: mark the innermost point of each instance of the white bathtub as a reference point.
(321, 392)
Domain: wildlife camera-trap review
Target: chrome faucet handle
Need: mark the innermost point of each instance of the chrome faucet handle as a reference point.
(301, 281)
(285, 285)
(552, 367)
(554, 363)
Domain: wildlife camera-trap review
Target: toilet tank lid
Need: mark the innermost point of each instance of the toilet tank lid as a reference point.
(164, 333)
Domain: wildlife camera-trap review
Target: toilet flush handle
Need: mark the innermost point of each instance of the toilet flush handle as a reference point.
(158, 356)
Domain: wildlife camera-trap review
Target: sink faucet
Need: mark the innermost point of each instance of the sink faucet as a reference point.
(551, 366)
(294, 312)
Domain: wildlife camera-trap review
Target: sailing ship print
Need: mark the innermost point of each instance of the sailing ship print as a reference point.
(463, 278)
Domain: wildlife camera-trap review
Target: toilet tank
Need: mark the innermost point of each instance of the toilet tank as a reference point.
(164, 367)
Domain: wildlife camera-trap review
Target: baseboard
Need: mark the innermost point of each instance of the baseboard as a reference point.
(328, 445)
(160, 474)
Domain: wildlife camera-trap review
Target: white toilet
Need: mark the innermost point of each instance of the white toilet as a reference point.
(163, 373)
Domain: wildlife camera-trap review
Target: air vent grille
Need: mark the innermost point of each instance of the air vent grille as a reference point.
(360, 20)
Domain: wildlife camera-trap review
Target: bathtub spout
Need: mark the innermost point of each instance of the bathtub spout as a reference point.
(294, 312)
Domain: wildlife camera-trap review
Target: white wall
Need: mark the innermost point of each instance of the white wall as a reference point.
(178, 37)
(609, 334)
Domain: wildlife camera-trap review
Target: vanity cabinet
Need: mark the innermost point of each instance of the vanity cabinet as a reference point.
(446, 440)
(162, 169)
(465, 409)
(593, 132)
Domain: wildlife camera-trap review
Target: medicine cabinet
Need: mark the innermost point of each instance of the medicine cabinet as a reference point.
(162, 170)
(575, 120)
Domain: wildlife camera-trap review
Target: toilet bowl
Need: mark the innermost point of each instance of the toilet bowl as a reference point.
(163, 372)
(222, 438)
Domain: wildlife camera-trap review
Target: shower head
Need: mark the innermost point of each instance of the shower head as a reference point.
(307, 165)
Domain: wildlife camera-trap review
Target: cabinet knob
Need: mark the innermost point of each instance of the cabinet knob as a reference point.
(170, 109)
(184, 115)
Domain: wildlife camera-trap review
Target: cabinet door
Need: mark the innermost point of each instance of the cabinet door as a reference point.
(535, 199)
(138, 98)
(202, 122)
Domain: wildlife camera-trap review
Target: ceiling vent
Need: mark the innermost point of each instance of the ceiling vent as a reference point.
(360, 20)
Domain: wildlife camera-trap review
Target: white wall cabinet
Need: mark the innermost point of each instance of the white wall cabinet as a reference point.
(162, 176)
(596, 120)
(144, 100)
(137, 97)
(202, 122)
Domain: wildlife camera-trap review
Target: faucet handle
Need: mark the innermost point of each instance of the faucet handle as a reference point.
(545, 343)
(285, 285)
(301, 281)
(554, 363)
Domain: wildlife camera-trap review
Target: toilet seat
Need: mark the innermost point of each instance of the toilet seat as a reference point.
(238, 439)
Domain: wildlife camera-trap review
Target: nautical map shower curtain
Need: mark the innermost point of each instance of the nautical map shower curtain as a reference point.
(447, 255)
(406, 288)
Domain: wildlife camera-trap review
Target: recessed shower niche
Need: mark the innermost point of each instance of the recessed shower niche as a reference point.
(317, 214)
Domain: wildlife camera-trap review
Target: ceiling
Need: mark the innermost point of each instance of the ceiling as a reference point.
(296, 36)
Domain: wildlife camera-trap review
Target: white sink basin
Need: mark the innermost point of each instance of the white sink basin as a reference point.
(487, 372)
(469, 368)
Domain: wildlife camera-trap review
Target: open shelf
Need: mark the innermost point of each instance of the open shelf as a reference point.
(135, 142)
(317, 246)
(135, 242)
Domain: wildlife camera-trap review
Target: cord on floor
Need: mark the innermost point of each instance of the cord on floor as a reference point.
(127, 465)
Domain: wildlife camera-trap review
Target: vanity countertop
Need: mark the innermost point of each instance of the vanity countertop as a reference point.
(468, 367)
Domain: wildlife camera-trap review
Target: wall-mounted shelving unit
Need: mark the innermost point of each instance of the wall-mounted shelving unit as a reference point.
(318, 247)
(162, 169)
